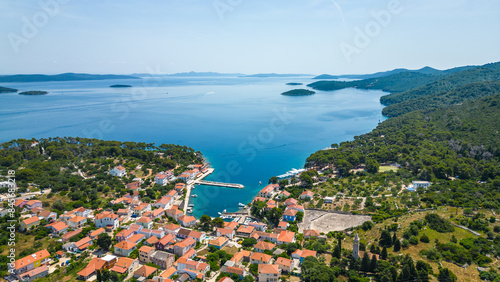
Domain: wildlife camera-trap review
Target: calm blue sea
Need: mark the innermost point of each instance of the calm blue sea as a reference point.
(243, 126)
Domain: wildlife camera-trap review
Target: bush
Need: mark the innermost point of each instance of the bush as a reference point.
(413, 240)
(424, 238)
(438, 223)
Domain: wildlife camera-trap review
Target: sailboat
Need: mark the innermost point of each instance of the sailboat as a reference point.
(260, 183)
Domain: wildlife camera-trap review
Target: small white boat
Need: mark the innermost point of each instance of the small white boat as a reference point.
(194, 195)
(190, 205)
(260, 183)
(242, 205)
(224, 211)
(219, 213)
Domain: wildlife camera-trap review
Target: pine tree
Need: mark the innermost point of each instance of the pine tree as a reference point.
(445, 275)
(385, 239)
(397, 246)
(394, 238)
(373, 264)
(365, 263)
(384, 254)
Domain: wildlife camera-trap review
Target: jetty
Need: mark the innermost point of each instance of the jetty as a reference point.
(220, 184)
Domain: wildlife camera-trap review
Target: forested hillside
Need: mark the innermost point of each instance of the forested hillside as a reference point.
(443, 99)
(393, 83)
(489, 72)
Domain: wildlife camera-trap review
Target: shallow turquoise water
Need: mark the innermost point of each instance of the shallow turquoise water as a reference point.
(246, 129)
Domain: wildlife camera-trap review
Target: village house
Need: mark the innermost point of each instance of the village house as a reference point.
(29, 223)
(231, 225)
(155, 214)
(144, 272)
(94, 234)
(179, 187)
(240, 257)
(157, 233)
(20, 203)
(283, 195)
(47, 215)
(30, 263)
(307, 195)
(134, 185)
(58, 227)
(226, 232)
(124, 248)
(164, 202)
(192, 268)
(218, 242)
(245, 231)
(270, 204)
(286, 237)
(302, 254)
(77, 222)
(145, 222)
(167, 274)
(162, 259)
(258, 226)
(262, 246)
(172, 228)
(183, 233)
(137, 238)
(125, 265)
(234, 270)
(258, 258)
(124, 212)
(290, 215)
(118, 171)
(310, 233)
(185, 245)
(187, 220)
(268, 191)
(107, 219)
(298, 208)
(97, 264)
(33, 204)
(151, 241)
(284, 264)
(144, 253)
(197, 236)
(174, 213)
(269, 273)
(291, 201)
(141, 208)
(164, 243)
(124, 235)
(34, 274)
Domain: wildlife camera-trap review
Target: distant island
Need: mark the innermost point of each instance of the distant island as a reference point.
(7, 90)
(34, 93)
(275, 75)
(298, 92)
(191, 74)
(294, 83)
(120, 86)
(61, 77)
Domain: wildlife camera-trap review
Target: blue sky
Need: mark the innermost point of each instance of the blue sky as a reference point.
(246, 36)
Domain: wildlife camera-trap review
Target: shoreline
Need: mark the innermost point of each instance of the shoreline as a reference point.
(189, 185)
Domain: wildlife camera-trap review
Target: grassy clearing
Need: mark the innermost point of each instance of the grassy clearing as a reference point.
(230, 250)
(386, 168)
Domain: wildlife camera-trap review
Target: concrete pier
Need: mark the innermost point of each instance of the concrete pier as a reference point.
(220, 184)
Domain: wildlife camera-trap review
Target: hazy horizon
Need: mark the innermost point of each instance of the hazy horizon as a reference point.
(238, 36)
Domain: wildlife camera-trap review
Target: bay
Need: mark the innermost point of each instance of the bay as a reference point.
(242, 125)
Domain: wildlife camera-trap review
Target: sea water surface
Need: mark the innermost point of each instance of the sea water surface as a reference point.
(242, 125)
